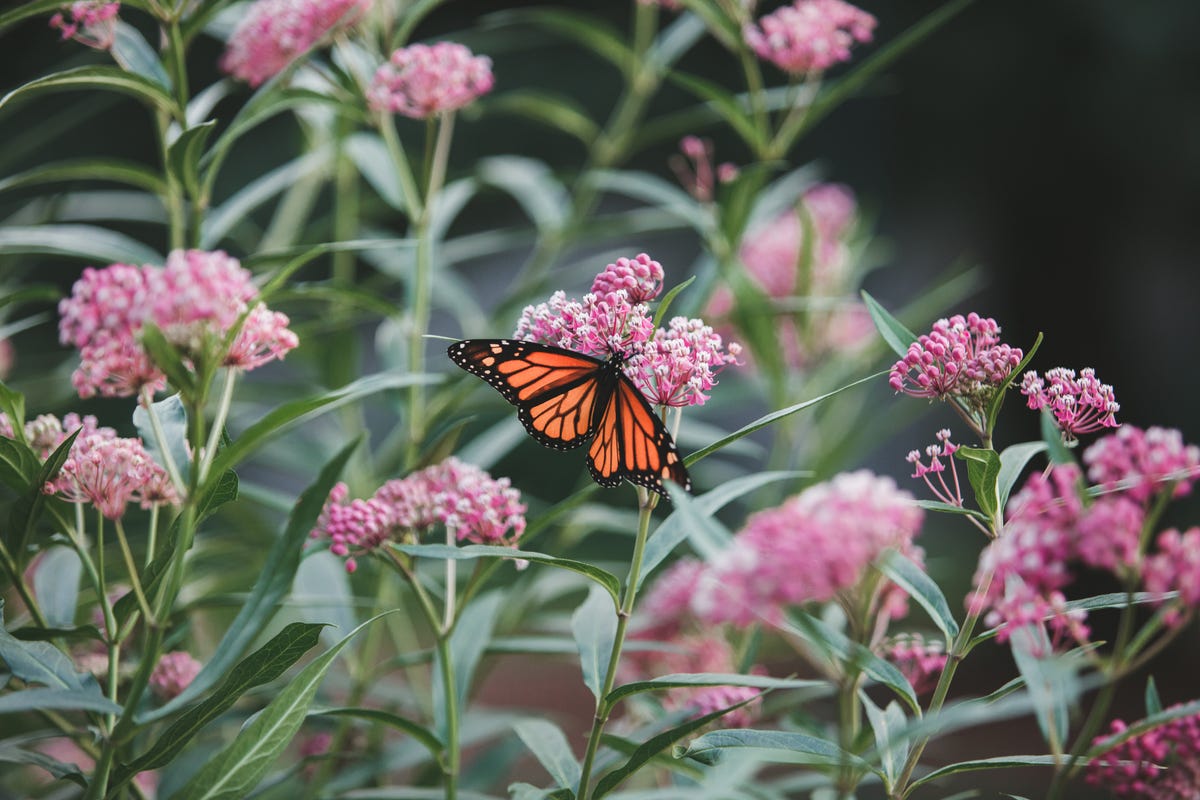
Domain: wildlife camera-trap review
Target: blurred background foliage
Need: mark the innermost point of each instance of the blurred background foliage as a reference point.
(1050, 146)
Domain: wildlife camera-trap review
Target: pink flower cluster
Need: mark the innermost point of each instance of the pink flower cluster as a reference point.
(809, 35)
(196, 299)
(673, 366)
(89, 22)
(1080, 404)
(1162, 763)
(936, 452)
(921, 662)
(472, 504)
(815, 546)
(274, 32)
(101, 468)
(421, 81)
(781, 261)
(174, 672)
(694, 168)
(961, 357)
(1142, 463)
(1050, 528)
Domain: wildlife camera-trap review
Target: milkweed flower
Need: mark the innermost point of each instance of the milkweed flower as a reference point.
(109, 472)
(920, 662)
(811, 548)
(962, 357)
(694, 168)
(174, 672)
(641, 277)
(472, 504)
(1162, 763)
(274, 32)
(809, 35)
(196, 300)
(422, 81)
(1079, 404)
(89, 22)
(936, 452)
(1176, 568)
(1142, 463)
(681, 363)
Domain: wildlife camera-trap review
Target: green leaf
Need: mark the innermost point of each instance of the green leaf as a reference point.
(665, 303)
(683, 680)
(1053, 438)
(652, 747)
(946, 508)
(468, 642)
(773, 417)
(893, 331)
(674, 529)
(45, 664)
(588, 30)
(558, 111)
(56, 585)
(172, 419)
(18, 466)
(594, 625)
(852, 654)
(12, 403)
(892, 747)
(31, 8)
(532, 184)
(549, 744)
(1052, 681)
(920, 587)
(800, 747)
(1152, 701)
(1096, 603)
(983, 471)
(999, 762)
(708, 536)
(168, 359)
(87, 242)
(288, 415)
(87, 169)
(91, 78)
(420, 733)
(240, 767)
(58, 700)
(993, 411)
(726, 105)
(272, 585)
(264, 665)
(295, 258)
(675, 40)
(654, 191)
(134, 55)
(11, 753)
(1012, 463)
(183, 156)
(606, 580)
(27, 510)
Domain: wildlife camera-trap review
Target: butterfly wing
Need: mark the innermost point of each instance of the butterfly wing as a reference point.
(556, 391)
(631, 443)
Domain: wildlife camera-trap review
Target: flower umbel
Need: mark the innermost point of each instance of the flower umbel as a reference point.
(1162, 763)
(1079, 404)
(174, 672)
(809, 35)
(1143, 463)
(422, 81)
(89, 22)
(274, 32)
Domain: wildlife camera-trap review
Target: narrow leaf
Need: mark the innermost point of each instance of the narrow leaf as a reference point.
(237, 769)
(87, 242)
(1000, 762)
(726, 105)
(558, 111)
(58, 700)
(808, 749)
(893, 331)
(665, 303)
(1053, 438)
(28, 508)
(136, 56)
(91, 169)
(588, 30)
(91, 78)
(1152, 701)
(168, 359)
(594, 625)
(420, 733)
(549, 744)
(993, 411)
(172, 419)
(983, 471)
(684, 680)
(1012, 463)
(45, 664)
(183, 157)
(920, 587)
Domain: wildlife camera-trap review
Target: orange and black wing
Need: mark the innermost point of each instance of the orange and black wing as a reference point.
(556, 391)
(631, 443)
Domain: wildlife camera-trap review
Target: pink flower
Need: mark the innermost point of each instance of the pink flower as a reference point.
(694, 168)
(961, 357)
(809, 35)
(813, 547)
(174, 672)
(936, 452)
(641, 277)
(1176, 568)
(1080, 405)
(681, 363)
(597, 325)
(466, 499)
(1109, 533)
(89, 22)
(920, 661)
(666, 607)
(1142, 463)
(108, 471)
(264, 337)
(421, 81)
(1162, 763)
(199, 297)
(274, 32)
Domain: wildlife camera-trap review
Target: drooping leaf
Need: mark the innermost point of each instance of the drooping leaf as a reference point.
(549, 745)
(893, 331)
(726, 105)
(43, 663)
(87, 242)
(91, 169)
(558, 111)
(1012, 463)
(588, 30)
(1052, 681)
(57, 700)
(11, 752)
(920, 587)
(136, 56)
(112, 79)
(999, 762)
(419, 732)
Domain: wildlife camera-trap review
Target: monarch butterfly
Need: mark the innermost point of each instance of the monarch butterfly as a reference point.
(565, 399)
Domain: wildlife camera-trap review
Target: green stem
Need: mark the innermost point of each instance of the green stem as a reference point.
(131, 567)
(152, 534)
(214, 435)
(161, 439)
(646, 504)
(17, 578)
(408, 184)
(450, 764)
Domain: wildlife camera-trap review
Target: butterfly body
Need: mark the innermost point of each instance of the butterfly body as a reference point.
(566, 399)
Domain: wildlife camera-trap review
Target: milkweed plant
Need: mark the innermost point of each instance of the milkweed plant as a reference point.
(259, 538)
